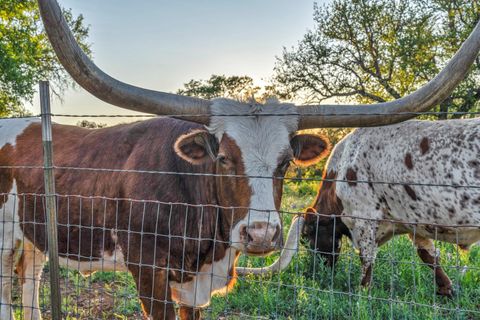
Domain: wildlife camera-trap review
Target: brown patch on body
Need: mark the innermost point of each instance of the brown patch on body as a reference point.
(6, 174)
(323, 232)
(327, 200)
(408, 161)
(424, 145)
(351, 177)
(475, 165)
(232, 191)
(425, 248)
(411, 193)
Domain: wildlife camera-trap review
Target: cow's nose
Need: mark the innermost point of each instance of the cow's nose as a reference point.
(262, 237)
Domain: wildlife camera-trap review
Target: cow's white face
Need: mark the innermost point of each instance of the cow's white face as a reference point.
(259, 149)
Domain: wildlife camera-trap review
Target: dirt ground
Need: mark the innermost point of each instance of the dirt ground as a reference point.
(87, 298)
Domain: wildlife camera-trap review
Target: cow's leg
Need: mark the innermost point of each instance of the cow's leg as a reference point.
(10, 241)
(427, 252)
(29, 270)
(6, 310)
(154, 292)
(188, 313)
(364, 237)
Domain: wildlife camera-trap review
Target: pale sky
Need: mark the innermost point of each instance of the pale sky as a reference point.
(161, 44)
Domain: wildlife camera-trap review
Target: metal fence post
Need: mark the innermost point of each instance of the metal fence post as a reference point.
(50, 203)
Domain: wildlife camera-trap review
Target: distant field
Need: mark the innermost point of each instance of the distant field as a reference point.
(403, 288)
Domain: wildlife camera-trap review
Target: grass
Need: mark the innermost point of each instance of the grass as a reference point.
(403, 288)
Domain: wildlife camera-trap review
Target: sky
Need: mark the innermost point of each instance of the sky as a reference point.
(162, 44)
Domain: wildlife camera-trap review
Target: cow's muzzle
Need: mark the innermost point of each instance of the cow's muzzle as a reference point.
(261, 238)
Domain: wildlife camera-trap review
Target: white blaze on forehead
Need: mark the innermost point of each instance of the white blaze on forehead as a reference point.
(261, 140)
(10, 129)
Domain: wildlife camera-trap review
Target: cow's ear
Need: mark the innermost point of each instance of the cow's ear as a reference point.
(308, 149)
(197, 147)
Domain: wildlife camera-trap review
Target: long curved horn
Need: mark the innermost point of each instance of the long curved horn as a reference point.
(288, 251)
(106, 88)
(431, 94)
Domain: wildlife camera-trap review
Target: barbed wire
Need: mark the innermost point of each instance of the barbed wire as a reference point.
(438, 113)
(296, 114)
(234, 208)
(297, 179)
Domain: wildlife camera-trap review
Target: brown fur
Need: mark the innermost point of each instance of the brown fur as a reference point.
(424, 145)
(351, 177)
(323, 232)
(411, 193)
(84, 234)
(186, 313)
(443, 281)
(6, 175)
(409, 161)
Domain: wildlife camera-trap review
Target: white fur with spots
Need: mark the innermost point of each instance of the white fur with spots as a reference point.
(436, 153)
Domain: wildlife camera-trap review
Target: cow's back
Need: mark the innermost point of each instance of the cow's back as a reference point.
(105, 180)
(144, 145)
(390, 162)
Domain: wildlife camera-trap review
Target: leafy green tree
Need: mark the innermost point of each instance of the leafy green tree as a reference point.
(457, 18)
(91, 124)
(236, 87)
(26, 56)
(241, 88)
(378, 50)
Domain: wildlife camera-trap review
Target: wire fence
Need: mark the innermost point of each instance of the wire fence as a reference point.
(164, 257)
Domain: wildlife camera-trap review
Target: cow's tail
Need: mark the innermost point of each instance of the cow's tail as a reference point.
(286, 255)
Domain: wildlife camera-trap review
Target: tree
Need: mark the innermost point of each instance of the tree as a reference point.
(457, 20)
(91, 124)
(241, 88)
(378, 50)
(26, 56)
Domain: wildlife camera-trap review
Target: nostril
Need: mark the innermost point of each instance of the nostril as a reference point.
(249, 238)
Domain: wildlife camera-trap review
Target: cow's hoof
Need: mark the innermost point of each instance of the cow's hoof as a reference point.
(446, 291)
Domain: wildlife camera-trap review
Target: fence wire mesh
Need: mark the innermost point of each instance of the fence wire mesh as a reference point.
(122, 256)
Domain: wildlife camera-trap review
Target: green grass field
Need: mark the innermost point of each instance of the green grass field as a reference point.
(403, 287)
